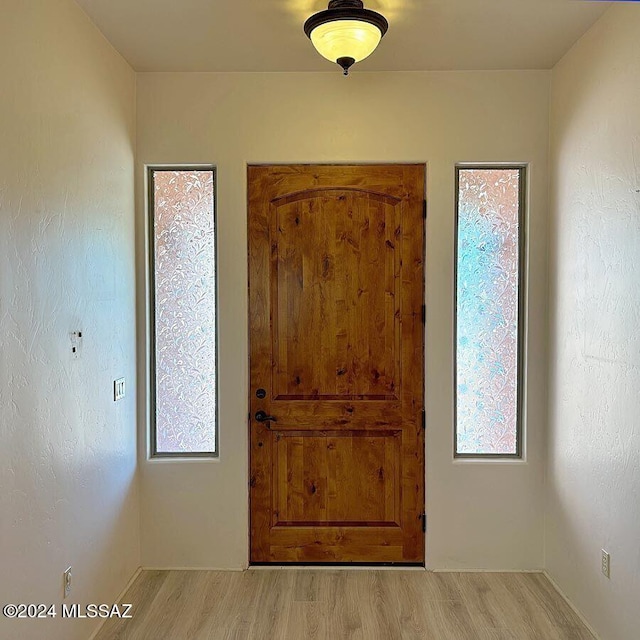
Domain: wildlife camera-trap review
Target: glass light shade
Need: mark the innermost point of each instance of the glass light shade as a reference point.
(346, 39)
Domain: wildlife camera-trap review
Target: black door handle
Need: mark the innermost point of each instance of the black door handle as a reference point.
(261, 416)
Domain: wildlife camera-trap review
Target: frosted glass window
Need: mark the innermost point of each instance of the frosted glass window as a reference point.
(184, 303)
(488, 302)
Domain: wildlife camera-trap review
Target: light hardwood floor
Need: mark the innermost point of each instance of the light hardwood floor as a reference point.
(368, 605)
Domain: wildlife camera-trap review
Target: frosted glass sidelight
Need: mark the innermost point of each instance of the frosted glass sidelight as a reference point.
(184, 259)
(488, 279)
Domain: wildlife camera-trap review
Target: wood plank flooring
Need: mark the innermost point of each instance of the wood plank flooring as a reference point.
(301, 604)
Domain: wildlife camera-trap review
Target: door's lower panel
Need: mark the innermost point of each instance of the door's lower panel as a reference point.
(342, 478)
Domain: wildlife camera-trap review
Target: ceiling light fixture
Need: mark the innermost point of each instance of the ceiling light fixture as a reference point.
(346, 32)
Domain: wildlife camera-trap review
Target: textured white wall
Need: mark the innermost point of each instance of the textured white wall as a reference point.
(593, 495)
(481, 515)
(68, 487)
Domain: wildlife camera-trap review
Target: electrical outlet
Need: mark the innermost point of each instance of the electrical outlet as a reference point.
(118, 389)
(67, 582)
(606, 563)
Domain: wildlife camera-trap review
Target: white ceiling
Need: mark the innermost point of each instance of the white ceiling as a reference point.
(266, 35)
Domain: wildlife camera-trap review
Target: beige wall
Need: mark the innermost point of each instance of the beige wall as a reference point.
(67, 464)
(481, 514)
(67, 456)
(593, 494)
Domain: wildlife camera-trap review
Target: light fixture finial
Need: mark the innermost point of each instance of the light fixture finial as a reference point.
(346, 63)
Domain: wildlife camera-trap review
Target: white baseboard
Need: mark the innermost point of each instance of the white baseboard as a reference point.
(193, 569)
(121, 595)
(573, 606)
(464, 570)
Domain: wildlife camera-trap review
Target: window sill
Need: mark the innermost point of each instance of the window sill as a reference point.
(490, 460)
(182, 459)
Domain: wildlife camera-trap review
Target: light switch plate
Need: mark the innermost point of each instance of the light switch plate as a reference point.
(118, 389)
(76, 344)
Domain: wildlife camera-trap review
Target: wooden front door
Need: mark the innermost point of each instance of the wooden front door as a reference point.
(336, 291)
